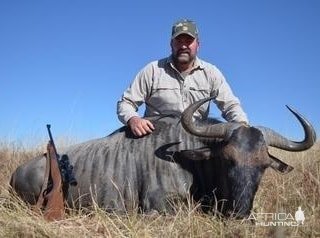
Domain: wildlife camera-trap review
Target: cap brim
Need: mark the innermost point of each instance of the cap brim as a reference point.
(183, 32)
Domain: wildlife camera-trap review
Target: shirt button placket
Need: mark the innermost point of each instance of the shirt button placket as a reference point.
(184, 94)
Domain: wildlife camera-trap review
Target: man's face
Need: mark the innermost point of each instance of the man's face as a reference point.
(184, 48)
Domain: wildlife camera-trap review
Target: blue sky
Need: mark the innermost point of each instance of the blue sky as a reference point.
(67, 62)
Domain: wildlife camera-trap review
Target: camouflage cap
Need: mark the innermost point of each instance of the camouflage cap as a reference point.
(184, 27)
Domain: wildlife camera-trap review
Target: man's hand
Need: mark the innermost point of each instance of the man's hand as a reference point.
(140, 126)
(246, 124)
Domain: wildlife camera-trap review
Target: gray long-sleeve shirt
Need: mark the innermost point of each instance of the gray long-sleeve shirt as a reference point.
(165, 90)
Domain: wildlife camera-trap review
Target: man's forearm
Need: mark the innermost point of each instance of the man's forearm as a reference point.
(235, 113)
(125, 111)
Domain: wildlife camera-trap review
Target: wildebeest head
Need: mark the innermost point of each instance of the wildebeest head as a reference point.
(242, 159)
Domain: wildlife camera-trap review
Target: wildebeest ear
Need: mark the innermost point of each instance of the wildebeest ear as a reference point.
(279, 166)
(196, 154)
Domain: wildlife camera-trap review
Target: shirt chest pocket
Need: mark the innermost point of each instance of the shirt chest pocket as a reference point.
(165, 89)
(199, 92)
(165, 93)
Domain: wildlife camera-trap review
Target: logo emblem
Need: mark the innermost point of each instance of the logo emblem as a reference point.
(299, 216)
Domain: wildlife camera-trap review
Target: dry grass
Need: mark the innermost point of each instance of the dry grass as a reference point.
(277, 193)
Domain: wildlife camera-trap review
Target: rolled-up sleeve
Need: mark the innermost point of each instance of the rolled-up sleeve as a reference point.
(135, 95)
(226, 101)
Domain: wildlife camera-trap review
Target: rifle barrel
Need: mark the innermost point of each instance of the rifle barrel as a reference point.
(51, 138)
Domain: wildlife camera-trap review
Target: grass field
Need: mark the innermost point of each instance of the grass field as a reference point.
(277, 194)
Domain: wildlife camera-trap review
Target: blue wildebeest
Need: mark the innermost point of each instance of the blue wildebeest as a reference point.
(217, 164)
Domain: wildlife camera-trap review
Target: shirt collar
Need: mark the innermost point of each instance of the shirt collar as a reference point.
(197, 63)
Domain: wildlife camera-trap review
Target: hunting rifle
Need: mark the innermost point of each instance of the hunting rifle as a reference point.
(58, 176)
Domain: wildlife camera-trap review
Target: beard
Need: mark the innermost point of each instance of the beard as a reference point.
(183, 57)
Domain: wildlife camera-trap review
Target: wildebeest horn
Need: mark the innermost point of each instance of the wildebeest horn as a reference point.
(276, 140)
(272, 138)
(220, 130)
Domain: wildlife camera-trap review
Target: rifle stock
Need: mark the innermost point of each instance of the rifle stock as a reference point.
(54, 208)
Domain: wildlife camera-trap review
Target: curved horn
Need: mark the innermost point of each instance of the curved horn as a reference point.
(276, 140)
(220, 130)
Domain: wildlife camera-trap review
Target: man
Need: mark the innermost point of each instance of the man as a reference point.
(170, 85)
